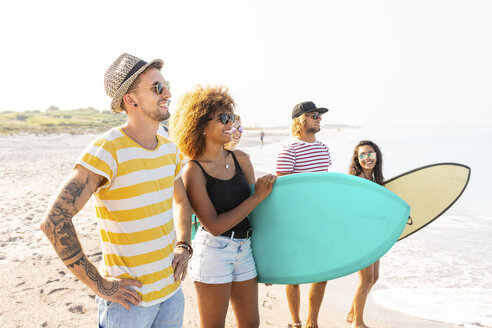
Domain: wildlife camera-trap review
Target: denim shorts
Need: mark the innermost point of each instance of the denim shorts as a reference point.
(167, 314)
(221, 260)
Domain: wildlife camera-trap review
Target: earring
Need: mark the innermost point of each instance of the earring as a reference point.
(135, 105)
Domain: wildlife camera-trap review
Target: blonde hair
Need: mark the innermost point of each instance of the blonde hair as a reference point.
(297, 124)
(188, 124)
(230, 145)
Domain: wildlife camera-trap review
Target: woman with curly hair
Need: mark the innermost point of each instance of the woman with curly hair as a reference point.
(217, 182)
(367, 163)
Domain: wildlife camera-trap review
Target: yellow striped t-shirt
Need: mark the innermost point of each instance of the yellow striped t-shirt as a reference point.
(134, 210)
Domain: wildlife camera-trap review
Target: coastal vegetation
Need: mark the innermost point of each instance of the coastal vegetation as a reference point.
(54, 120)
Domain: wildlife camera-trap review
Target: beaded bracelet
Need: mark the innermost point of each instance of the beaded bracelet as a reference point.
(185, 245)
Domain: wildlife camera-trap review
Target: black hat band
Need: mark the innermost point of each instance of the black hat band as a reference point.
(135, 68)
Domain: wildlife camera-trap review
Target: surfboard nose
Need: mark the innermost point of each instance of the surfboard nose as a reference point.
(430, 190)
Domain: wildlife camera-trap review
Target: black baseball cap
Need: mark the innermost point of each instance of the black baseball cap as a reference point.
(306, 107)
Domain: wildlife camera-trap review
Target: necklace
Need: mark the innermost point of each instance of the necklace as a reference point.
(225, 162)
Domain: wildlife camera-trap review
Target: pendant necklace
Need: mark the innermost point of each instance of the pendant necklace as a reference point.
(225, 162)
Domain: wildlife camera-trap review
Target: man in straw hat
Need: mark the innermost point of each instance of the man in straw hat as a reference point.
(305, 154)
(135, 175)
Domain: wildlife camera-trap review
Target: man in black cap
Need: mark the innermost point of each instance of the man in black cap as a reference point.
(134, 174)
(305, 154)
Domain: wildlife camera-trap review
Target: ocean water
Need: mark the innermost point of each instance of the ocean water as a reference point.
(443, 272)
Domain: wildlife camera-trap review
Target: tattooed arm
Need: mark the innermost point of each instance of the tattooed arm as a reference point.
(58, 227)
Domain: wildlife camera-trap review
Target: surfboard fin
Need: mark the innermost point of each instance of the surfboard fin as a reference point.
(409, 221)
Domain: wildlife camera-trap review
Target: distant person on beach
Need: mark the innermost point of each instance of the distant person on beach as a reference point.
(305, 154)
(367, 163)
(134, 174)
(163, 131)
(262, 137)
(217, 181)
(237, 132)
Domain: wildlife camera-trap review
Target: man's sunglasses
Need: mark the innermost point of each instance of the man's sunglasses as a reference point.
(371, 155)
(314, 115)
(159, 87)
(224, 118)
(238, 129)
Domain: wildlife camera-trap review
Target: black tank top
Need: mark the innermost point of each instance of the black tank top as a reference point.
(228, 194)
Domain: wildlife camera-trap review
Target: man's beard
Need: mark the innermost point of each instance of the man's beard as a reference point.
(164, 116)
(313, 130)
(157, 115)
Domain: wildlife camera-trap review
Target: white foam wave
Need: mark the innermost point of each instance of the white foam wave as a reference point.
(461, 306)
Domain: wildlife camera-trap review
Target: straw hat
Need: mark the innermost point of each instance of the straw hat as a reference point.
(121, 74)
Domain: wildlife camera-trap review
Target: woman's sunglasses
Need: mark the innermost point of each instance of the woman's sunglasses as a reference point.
(159, 87)
(314, 115)
(371, 155)
(224, 118)
(238, 129)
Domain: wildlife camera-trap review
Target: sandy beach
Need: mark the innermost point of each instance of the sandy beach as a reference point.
(41, 292)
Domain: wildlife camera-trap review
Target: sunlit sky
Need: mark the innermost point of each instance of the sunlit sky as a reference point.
(372, 63)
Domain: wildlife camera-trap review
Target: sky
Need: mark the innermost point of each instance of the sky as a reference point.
(371, 63)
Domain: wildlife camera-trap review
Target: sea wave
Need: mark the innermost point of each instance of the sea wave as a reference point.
(461, 306)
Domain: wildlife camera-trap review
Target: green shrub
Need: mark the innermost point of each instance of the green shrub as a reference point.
(52, 108)
(21, 117)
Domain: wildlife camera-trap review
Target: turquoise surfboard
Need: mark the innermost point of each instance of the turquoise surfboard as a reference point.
(320, 226)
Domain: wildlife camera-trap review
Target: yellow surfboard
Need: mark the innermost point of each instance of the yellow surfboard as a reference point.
(430, 191)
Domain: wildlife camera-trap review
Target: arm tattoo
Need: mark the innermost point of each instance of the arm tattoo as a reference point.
(94, 275)
(107, 291)
(62, 231)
